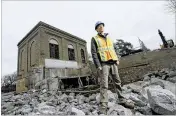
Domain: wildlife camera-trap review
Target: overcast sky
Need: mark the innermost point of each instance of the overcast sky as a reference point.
(125, 20)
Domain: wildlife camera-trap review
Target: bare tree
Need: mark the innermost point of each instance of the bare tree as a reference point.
(171, 6)
(9, 79)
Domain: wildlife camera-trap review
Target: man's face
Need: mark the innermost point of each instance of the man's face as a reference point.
(100, 28)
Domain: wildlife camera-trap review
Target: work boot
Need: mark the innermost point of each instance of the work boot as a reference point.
(102, 111)
(124, 102)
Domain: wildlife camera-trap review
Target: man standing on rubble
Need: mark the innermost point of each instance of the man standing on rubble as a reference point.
(106, 62)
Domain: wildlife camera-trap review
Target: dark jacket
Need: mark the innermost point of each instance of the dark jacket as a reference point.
(96, 55)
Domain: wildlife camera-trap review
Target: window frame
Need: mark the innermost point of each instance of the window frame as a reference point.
(71, 53)
(54, 52)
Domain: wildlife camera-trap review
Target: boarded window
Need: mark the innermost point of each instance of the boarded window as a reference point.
(71, 52)
(54, 49)
(83, 56)
(32, 53)
(22, 60)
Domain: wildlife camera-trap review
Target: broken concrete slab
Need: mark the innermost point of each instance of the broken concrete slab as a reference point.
(162, 101)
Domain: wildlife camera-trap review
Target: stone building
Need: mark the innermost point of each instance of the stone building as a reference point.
(47, 51)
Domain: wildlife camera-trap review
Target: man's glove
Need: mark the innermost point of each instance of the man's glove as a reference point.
(117, 62)
(99, 68)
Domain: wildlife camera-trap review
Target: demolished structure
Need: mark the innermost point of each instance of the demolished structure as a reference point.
(48, 52)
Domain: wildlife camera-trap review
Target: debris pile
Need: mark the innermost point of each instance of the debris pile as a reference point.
(154, 95)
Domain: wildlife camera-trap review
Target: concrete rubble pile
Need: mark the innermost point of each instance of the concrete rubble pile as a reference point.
(154, 95)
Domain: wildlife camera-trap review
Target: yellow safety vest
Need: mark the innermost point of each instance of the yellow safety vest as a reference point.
(105, 48)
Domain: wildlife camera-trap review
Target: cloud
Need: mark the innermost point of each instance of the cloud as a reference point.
(123, 19)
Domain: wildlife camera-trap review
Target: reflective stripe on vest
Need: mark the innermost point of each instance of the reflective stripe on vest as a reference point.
(105, 48)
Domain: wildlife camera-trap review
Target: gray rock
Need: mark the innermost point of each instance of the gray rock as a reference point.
(72, 94)
(146, 78)
(34, 102)
(142, 98)
(86, 111)
(75, 111)
(9, 106)
(63, 106)
(111, 104)
(119, 110)
(58, 110)
(94, 106)
(144, 90)
(7, 98)
(148, 74)
(153, 76)
(17, 110)
(43, 98)
(162, 101)
(74, 100)
(146, 110)
(17, 97)
(26, 109)
(70, 98)
(64, 98)
(19, 103)
(44, 91)
(43, 108)
(126, 90)
(173, 79)
(172, 74)
(53, 100)
(165, 70)
(95, 112)
(137, 101)
(167, 85)
(155, 81)
(80, 99)
(6, 105)
(138, 114)
(93, 103)
(164, 77)
(136, 87)
(127, 95)
(92, 97)
(51, 103)
(86, 100)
